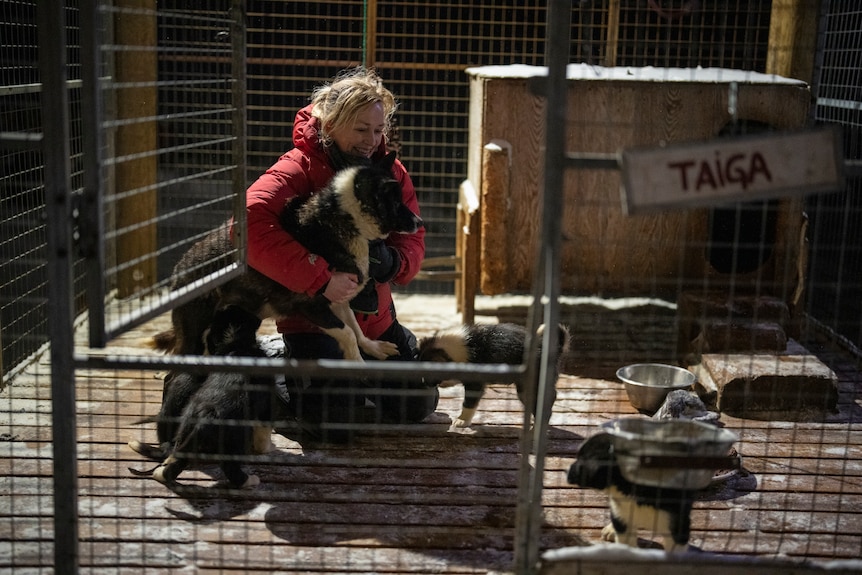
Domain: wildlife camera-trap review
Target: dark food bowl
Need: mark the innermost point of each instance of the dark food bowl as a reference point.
(647, 384)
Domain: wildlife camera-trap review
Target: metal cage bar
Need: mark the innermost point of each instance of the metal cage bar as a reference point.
(55, 118)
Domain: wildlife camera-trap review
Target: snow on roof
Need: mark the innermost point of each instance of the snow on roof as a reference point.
(644, 74)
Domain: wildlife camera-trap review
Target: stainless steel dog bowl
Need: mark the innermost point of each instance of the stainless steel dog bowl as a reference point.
(678, 445)
(647, 384)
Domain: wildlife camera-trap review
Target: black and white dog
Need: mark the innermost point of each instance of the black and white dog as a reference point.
(177, 390)
(231, 414)
(486, 343)
(663, 511)
(360, 204)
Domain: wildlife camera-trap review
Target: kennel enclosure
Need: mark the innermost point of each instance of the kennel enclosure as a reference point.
(403, 500)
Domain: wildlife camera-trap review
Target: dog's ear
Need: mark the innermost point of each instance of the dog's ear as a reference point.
(598, 446)
(387, 161)
(595, 463)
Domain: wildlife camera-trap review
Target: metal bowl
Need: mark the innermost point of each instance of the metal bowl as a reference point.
(683, 442)
(647, 384)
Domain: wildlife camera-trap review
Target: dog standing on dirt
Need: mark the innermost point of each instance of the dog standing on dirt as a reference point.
(359, 204)
(231, 414)
(486, 343)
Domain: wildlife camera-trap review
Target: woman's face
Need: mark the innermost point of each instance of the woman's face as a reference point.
(363, 138)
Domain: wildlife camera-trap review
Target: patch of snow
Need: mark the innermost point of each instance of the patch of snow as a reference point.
(638, 74)
(605, 552)
(844, 565)
(495, 302)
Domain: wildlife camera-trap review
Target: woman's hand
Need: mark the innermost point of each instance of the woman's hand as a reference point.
(341, 287)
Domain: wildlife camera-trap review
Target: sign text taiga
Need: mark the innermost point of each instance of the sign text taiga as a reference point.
(730, 170)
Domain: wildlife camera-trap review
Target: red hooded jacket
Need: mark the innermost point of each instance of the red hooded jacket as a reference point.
(300, 172)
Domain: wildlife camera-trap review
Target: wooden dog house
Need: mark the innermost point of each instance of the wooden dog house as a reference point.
(609, 109)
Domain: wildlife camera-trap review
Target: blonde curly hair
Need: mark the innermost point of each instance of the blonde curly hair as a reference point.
(337, 104)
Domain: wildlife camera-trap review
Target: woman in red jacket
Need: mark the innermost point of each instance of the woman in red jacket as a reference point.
(346, 124)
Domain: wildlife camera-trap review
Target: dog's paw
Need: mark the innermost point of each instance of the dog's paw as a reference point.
(379, 349)
(609, 533)
(137, 446)
(252, 481)
(148, 450)
(159, 475)
(262, 441)
(465, 419)
(461, 427)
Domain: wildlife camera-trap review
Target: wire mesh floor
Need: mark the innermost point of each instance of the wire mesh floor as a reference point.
(415, 498)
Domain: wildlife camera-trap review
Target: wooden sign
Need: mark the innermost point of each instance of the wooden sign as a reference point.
(732, 170)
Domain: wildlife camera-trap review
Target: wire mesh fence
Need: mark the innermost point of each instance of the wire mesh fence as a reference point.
(760, 299)
(835, 292)
(24, 279)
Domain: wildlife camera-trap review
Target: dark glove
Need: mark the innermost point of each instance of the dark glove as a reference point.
(366, 300)
(383, 261)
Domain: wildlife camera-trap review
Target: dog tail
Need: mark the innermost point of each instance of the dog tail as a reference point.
(147, 419)
(564, 339)
(143, 472)
(163, 341)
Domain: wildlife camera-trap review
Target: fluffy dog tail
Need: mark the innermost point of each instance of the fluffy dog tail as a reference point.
(163, 341)
(564, 338)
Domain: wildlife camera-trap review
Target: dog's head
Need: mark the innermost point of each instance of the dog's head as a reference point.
(378, 195)
(233, 330)
(444, 347)
(430, 350)
(596, 467)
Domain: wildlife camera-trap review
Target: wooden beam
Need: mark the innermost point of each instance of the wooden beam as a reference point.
(370, 54)
(135, 28)
(793, 39)
(613, 33)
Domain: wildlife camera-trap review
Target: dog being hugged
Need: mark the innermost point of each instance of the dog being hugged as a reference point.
(230, 416)
(360, 204)
(487, 343)
(663, 511)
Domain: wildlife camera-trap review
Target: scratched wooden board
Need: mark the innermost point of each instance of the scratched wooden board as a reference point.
(732, 170)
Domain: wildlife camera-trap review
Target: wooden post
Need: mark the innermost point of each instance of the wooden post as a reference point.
(792, 49)
(793, 39)
(370, 41)
(136, 30)
(496, 162)
(613, 33)
(468, 251)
